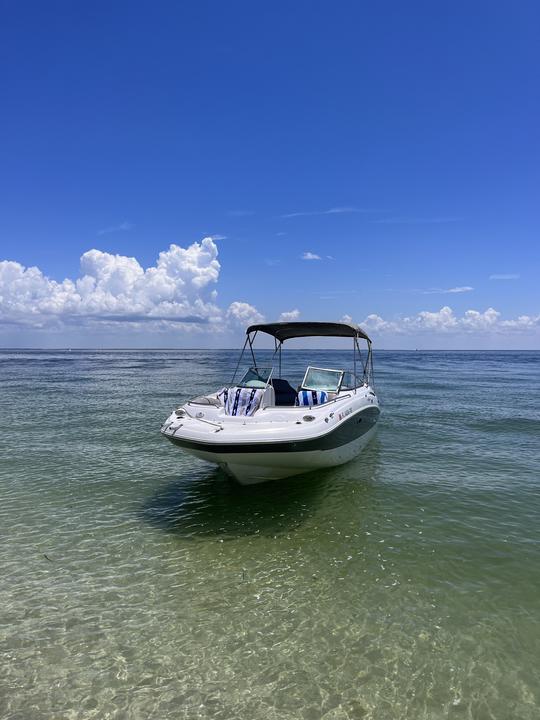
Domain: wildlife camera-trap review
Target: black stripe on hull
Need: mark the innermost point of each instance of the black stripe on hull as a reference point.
(353, 428)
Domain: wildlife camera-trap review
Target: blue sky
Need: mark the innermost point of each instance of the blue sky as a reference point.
(395, 146)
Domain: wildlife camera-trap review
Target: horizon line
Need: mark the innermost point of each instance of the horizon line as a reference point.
(216, 349)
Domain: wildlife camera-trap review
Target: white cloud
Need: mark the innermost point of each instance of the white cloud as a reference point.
(331, 211)
(415, 221)
(218, 237)
(346, 319)
(242, 314)
(508, 276)
(446, 321)
(122, 227)
(461, 289)
(289, 315)
(523, 322)
(179, 291)
(444, 291)
(310, 256)
(475, 320)
(341, 210)
(376, 323)
(440, 320)
(179, 288)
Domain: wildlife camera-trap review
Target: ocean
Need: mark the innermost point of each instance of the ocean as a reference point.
(137, 582)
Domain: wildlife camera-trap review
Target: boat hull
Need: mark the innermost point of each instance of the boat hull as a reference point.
(264, 466)
(254, 463)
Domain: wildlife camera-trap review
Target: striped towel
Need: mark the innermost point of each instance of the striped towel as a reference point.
(311, 397)
(241, 401)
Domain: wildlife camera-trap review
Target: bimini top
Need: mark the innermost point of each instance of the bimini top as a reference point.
(286, 330)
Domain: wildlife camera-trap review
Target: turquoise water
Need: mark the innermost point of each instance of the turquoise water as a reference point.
(137, 582)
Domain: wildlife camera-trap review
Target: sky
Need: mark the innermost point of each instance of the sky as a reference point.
(172, 171)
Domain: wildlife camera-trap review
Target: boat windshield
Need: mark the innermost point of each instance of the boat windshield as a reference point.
(256, 377)
(322, 379)
(351, 381)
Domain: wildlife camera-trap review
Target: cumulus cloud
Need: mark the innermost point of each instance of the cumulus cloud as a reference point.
(376, 323)
(242, 314)
(523, 322)
(446, 321)
(289, 316)
(179, 288)
(310, 256)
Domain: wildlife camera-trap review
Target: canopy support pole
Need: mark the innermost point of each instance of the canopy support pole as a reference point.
(370, 358)
(239, 360)
(251, 348)
(355, 343)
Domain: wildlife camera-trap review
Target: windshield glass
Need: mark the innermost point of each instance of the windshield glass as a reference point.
(322, 379)
(351, 381)
(256, 377)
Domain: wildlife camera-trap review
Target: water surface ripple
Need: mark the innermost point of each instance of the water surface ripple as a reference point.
(140, 583)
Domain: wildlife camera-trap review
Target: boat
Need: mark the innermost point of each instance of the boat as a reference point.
(261, 428)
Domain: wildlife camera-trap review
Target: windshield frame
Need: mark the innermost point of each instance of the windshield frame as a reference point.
(256, 370)
(339, 373)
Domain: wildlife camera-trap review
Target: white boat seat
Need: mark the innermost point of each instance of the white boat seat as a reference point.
(311, 397)
(241, 401)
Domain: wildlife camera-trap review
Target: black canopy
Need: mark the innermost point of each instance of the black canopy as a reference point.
(286, 330)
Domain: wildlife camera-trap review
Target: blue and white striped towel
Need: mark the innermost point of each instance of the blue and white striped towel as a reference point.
(241, 401)
(311, 397)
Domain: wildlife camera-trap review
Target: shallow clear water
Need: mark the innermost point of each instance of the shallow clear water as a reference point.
(137, 582)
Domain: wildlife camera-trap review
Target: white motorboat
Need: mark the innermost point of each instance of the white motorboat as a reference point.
(262, 428)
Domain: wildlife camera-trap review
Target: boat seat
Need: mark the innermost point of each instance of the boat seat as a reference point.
(285, 393)
(311, 397)
(241, 401)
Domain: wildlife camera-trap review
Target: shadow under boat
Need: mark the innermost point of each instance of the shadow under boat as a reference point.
(212, 504)
(208, 503)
